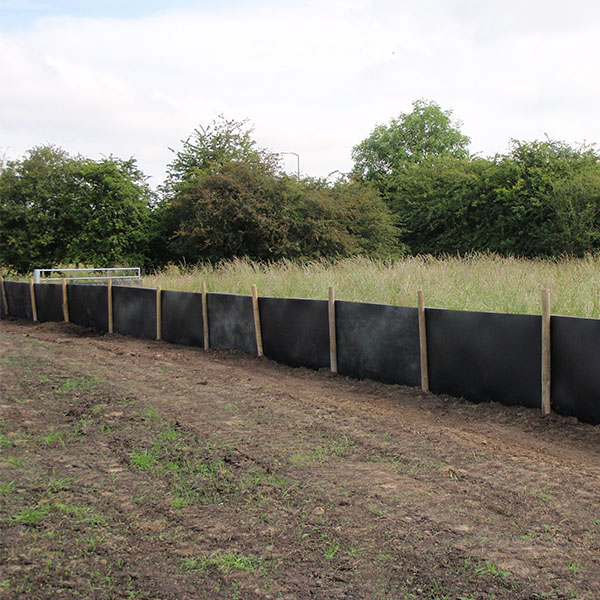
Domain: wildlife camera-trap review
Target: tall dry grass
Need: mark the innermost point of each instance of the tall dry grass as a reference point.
(478, 282)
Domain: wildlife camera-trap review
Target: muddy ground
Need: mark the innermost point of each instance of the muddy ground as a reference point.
(138, 469)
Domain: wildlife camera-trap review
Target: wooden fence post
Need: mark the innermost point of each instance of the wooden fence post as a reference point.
(33, 302)
(4, 300)
(205, 316)
(110, 307)
(257, 329)
(65, 304)
(423, 342)
(332, 332)
(546, 353)
(158, 313)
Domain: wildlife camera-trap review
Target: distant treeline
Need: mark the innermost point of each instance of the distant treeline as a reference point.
(414, 189)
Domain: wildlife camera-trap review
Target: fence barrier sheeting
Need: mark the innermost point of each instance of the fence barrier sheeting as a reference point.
(478, 356)
(295, 332)
(231, 322)
(182, 318)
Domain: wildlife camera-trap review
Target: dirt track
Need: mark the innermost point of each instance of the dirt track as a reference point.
(186, 474)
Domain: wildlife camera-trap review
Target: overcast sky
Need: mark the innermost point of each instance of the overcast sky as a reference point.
(133, 78)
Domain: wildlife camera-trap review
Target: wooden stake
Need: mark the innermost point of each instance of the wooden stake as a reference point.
(546, 361)
(33, 302)
(257, 329)
(423, 342)
(205, 316)
(65, 305)
(158, 313)
(110, 307)
(4, 296)
(332, 332)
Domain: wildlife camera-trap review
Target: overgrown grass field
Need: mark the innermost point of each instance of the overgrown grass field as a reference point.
(478, 282)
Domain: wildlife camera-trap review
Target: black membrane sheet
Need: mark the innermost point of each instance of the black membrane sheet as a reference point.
(48, 300)
(88, 305)
(295, 331)
(376, 341)
(134, 311)
(575, 382)
(485, 356)
(18, 298)
(182, 321)
(231, 322)
(3, 311)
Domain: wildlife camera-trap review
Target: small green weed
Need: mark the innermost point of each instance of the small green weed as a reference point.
(150, 412)
(80, 514)
(170, 435)
(92, 542)
(380, 512)
(224, 563)
(59, 484)
(490, 568)
(143, 460)
(332, 550)
(71, 385)
(542, 494)
(323, 452)
(5, 441)
(7, 488)
(31, 516)
(354, 552)
(16, 461)
(574, 567)
(338, 447)
(83, 423)
(239, 562)
(54, 438)
(195, 565)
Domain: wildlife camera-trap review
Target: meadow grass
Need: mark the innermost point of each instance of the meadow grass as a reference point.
(478, 282)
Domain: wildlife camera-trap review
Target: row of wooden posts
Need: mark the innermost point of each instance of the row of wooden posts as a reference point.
(546, 314)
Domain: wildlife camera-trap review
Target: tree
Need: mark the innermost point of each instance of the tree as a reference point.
(226, 198)
(30, 205)
(56, 209)
(109, 216)
(213, 146)
(552, 197)
(238, 210)
(345, 219)
(541, 199)
(426, 132)
(576, 204)
(244, 210)
(452, 205)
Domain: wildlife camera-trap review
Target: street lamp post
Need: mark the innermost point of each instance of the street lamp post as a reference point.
(297, 158)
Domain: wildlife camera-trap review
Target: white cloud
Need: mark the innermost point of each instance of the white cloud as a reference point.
(314, 78)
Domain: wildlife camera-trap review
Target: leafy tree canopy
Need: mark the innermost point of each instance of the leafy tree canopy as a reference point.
(211, 147)
(242, 210)
(57, 209)
(540, 199)
(426, 132)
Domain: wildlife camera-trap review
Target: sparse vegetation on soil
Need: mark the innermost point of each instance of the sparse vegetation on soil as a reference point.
(137, 469)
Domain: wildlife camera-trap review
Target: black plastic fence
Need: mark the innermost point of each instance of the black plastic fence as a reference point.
(478, 356)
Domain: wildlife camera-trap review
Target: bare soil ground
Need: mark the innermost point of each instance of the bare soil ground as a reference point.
(138, 469)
